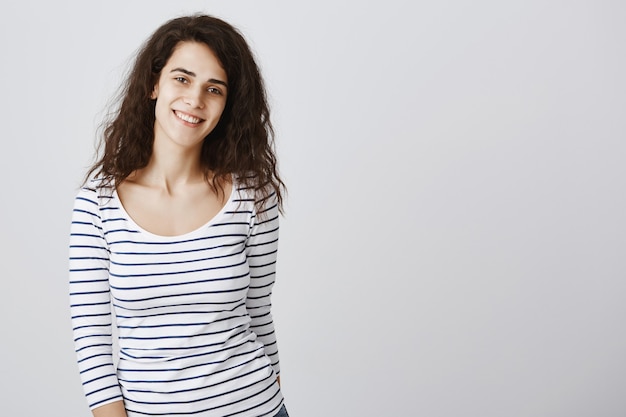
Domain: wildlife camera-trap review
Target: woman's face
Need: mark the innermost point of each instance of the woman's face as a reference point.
(190, 96)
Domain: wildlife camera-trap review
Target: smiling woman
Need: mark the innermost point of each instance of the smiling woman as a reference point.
(176, 228)
(190, 96)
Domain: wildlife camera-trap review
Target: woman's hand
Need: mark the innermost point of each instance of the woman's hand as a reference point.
(115, 409)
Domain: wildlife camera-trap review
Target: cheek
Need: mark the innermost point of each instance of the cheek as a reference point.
(221, 108)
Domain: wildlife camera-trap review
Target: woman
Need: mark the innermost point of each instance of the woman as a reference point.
(176, 227)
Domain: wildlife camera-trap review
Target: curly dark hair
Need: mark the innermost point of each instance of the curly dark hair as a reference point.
(242, 143)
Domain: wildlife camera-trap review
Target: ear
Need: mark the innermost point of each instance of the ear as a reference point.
(155, 92)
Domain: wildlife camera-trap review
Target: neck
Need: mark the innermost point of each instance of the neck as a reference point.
(171, 167)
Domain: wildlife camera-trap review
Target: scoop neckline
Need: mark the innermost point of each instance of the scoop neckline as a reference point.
(140, 229)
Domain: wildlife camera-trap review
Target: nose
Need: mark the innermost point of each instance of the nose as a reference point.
(193, 98)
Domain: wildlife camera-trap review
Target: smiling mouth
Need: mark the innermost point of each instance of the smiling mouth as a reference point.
(187, 118)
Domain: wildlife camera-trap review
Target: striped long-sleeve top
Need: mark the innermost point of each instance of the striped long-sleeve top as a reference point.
(195, 331)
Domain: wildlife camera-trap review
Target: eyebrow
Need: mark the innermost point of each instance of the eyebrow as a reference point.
(193, 74)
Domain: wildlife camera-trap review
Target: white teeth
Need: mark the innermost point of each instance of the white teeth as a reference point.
(187, 118)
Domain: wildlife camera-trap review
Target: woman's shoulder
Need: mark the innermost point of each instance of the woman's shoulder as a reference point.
(248, 188)
(96, 190)
(243, 188)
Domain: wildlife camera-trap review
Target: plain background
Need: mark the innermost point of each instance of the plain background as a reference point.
(454, 242)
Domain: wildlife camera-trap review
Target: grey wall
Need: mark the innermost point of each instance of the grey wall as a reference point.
(455, 235)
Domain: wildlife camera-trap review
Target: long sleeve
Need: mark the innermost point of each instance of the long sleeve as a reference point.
(90, 301)
(261, 250)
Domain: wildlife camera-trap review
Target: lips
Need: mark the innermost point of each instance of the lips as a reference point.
(187, 117)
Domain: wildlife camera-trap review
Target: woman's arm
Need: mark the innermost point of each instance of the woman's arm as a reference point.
(261, 250)
(90, 303)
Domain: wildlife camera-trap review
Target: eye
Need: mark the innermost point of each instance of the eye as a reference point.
(214, 90)
(181, 79)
